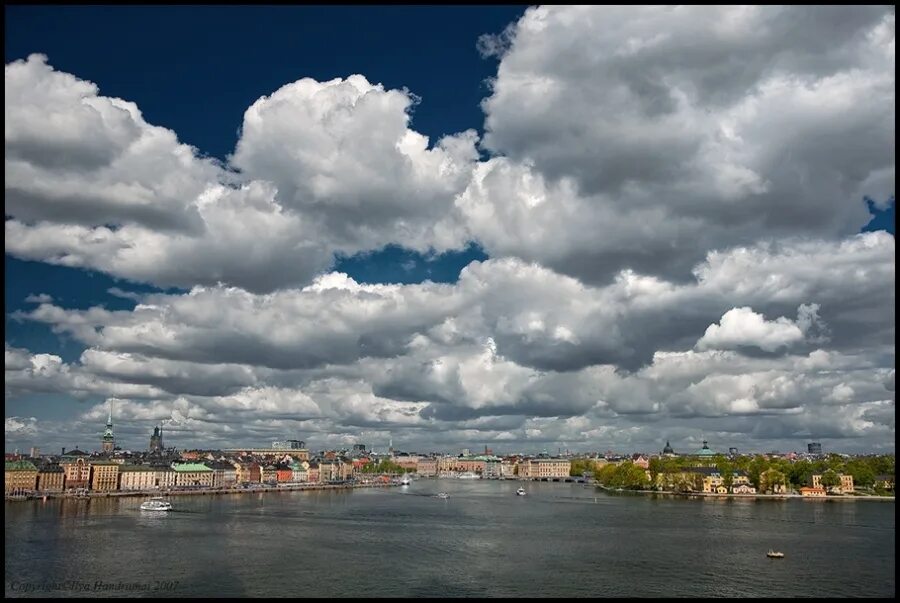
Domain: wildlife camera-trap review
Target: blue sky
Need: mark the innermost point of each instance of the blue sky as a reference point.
(635, 193)
(190, 40)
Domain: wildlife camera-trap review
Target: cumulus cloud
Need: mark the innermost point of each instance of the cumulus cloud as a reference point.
(643, 137)
(670, 206)
(742, 327)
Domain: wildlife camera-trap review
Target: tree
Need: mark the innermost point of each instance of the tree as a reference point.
(830, 479)
(862, 472)
(770, 480)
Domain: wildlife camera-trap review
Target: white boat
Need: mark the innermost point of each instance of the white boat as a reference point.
(520, 492)
(157, 503)
(442, 495)
(775, 554)
(469, 475)
(405, 481)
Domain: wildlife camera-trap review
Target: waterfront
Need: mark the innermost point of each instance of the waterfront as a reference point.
(561, 540)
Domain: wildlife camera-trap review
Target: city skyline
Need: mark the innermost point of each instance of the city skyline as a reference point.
(543, 228)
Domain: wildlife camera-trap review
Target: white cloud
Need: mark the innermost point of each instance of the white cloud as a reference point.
(668, 188)
(743, 327)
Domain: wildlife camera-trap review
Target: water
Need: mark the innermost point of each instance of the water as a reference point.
(561, 540)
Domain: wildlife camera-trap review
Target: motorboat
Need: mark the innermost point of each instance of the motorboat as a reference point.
(520, 492)
(775, 554)
(442, 495)
(469, 475)
(405, 481)
(157, 503)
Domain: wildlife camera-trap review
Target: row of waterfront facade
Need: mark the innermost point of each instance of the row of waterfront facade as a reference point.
(195, 469)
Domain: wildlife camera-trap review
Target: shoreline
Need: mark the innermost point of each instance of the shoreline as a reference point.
(747, 496)
(205, 492)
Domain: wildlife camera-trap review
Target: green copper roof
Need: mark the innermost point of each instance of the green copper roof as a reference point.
(705, 451)
(186, 467)
(20, 466)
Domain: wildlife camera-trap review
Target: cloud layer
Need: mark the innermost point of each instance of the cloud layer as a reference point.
(670, 206)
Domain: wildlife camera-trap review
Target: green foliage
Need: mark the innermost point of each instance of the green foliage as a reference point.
(862, 472)
(624, 475)
(769, 479)
(580, 466)
(830, 479)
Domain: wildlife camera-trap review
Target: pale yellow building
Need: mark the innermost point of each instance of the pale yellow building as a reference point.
(51, 478)
(164, 477)
(846, 486)
(544, 468)
(20, 477)
(193, 475)
(427, 467)
(137, 477)
(104, 476)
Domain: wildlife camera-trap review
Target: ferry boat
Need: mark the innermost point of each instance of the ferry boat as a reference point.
(469, 475)
(442, 495)
(157, 503)
(520, 492)
(775, 554)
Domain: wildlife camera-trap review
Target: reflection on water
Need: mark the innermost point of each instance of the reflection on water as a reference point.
(565, 540)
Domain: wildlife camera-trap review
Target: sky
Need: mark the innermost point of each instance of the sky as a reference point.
(583, 228)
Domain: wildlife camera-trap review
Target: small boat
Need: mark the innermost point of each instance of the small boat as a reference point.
(520, 492)
(442, 495)
(469, 475)
(774, 554)
(405, 481)
(157, 503)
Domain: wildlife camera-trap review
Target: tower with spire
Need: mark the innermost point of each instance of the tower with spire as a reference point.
(156, 443)
(108, 443)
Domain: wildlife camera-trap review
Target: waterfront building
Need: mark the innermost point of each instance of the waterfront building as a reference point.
(156, 441)
(108, 442)
(492, 469)
(844, 487)
(284, 474)
(313, 472)
(164, 477)
(51, 478)
(335, 469)
(104, 476)
(77, 470)
(814, 448)
(548, 468)
(426, 467)
(268, 474)
(812, 492)
(224, 473)
(137, 477)
(508, 467)
(884, 481)
(193, 475)
(248, 473)
(298, 471)
(20, 477)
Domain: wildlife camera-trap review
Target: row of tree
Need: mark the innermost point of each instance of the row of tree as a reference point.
(765, 474)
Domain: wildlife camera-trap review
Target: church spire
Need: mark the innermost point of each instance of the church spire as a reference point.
(108, 443)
